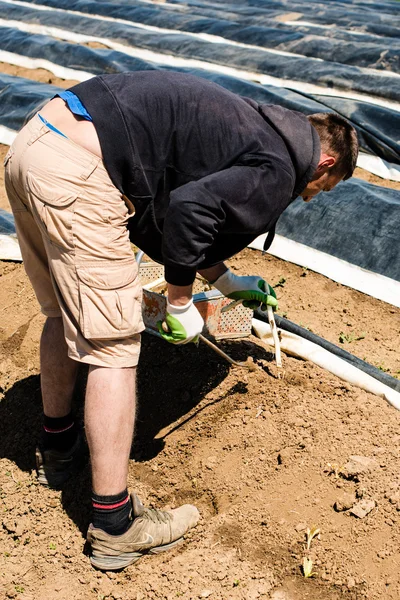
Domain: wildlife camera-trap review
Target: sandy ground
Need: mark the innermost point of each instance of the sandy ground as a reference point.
(263, 459)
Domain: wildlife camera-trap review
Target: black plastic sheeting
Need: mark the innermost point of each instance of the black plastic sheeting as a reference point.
(316, 339)
(341, 12)
(378, 127)
(327, 62)
(20, 97)
(356, 221)
(242, 24)
(313, 11)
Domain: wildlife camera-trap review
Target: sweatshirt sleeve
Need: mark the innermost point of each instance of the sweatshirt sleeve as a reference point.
(239, 198)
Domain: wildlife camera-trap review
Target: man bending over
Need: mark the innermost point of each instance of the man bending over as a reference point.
(189, 172)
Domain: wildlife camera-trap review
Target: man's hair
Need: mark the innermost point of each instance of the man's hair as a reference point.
(339, 139)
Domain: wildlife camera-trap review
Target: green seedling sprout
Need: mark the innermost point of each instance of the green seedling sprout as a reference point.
(310, 534)
(281, 282)
(350, 337)
(307, 568)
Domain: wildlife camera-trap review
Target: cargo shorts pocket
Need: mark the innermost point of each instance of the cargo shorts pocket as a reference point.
(53, 207)
(110, 301)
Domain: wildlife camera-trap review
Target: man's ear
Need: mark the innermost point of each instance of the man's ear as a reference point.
(325, 162)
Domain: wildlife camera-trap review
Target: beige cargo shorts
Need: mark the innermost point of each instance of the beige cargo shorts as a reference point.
(71, 226)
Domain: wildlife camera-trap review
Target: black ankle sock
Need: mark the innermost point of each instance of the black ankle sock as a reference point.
(112, 513)
(59, 434)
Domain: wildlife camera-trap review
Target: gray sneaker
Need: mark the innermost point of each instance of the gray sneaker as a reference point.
(152, 531)
(54, 468)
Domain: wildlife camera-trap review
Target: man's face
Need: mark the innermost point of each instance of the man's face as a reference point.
(325, 183)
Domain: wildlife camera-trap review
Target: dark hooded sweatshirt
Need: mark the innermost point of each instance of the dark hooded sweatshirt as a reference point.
(207, 170)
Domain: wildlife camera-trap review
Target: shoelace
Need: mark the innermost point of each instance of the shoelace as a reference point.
(156, 516)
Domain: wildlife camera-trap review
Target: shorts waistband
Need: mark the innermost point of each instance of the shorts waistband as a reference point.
(36, 129)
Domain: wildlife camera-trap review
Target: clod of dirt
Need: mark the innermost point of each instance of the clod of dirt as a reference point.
(393, 497)
(250, 364)
(284, 457)
(16, 528)
(344, 502)
(280, 595)
(359, 464)
(363, 508)
(351, 582)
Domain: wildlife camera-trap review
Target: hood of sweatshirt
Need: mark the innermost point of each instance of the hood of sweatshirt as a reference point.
(301, 139)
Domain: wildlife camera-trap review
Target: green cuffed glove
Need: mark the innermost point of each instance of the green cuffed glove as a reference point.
(253, 290)
(184, 323)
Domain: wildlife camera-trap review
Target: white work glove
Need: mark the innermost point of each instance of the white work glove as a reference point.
(184, 323)
(253, 290)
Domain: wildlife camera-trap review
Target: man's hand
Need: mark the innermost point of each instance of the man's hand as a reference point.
(184, 324)
(253, 290)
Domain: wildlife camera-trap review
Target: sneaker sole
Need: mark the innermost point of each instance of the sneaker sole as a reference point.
(116, 563)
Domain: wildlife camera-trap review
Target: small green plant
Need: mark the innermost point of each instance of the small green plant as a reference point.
(236, 583)
(19, 589)
(281, 282)
(307, 568)
(350, 337)
(384, 369)
(52, 546)
(7, 554)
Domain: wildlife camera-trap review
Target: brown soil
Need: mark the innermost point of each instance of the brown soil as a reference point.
(41, 75)
(375, 180)
(262, 458)
(96, 45)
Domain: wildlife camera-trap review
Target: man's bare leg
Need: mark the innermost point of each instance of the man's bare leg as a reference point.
(118, 538)
(58, 371)
(109, 423)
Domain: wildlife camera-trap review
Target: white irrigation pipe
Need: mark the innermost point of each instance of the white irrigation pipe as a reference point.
(297, 346)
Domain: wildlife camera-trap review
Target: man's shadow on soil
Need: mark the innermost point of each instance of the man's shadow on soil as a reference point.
(172, 381)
